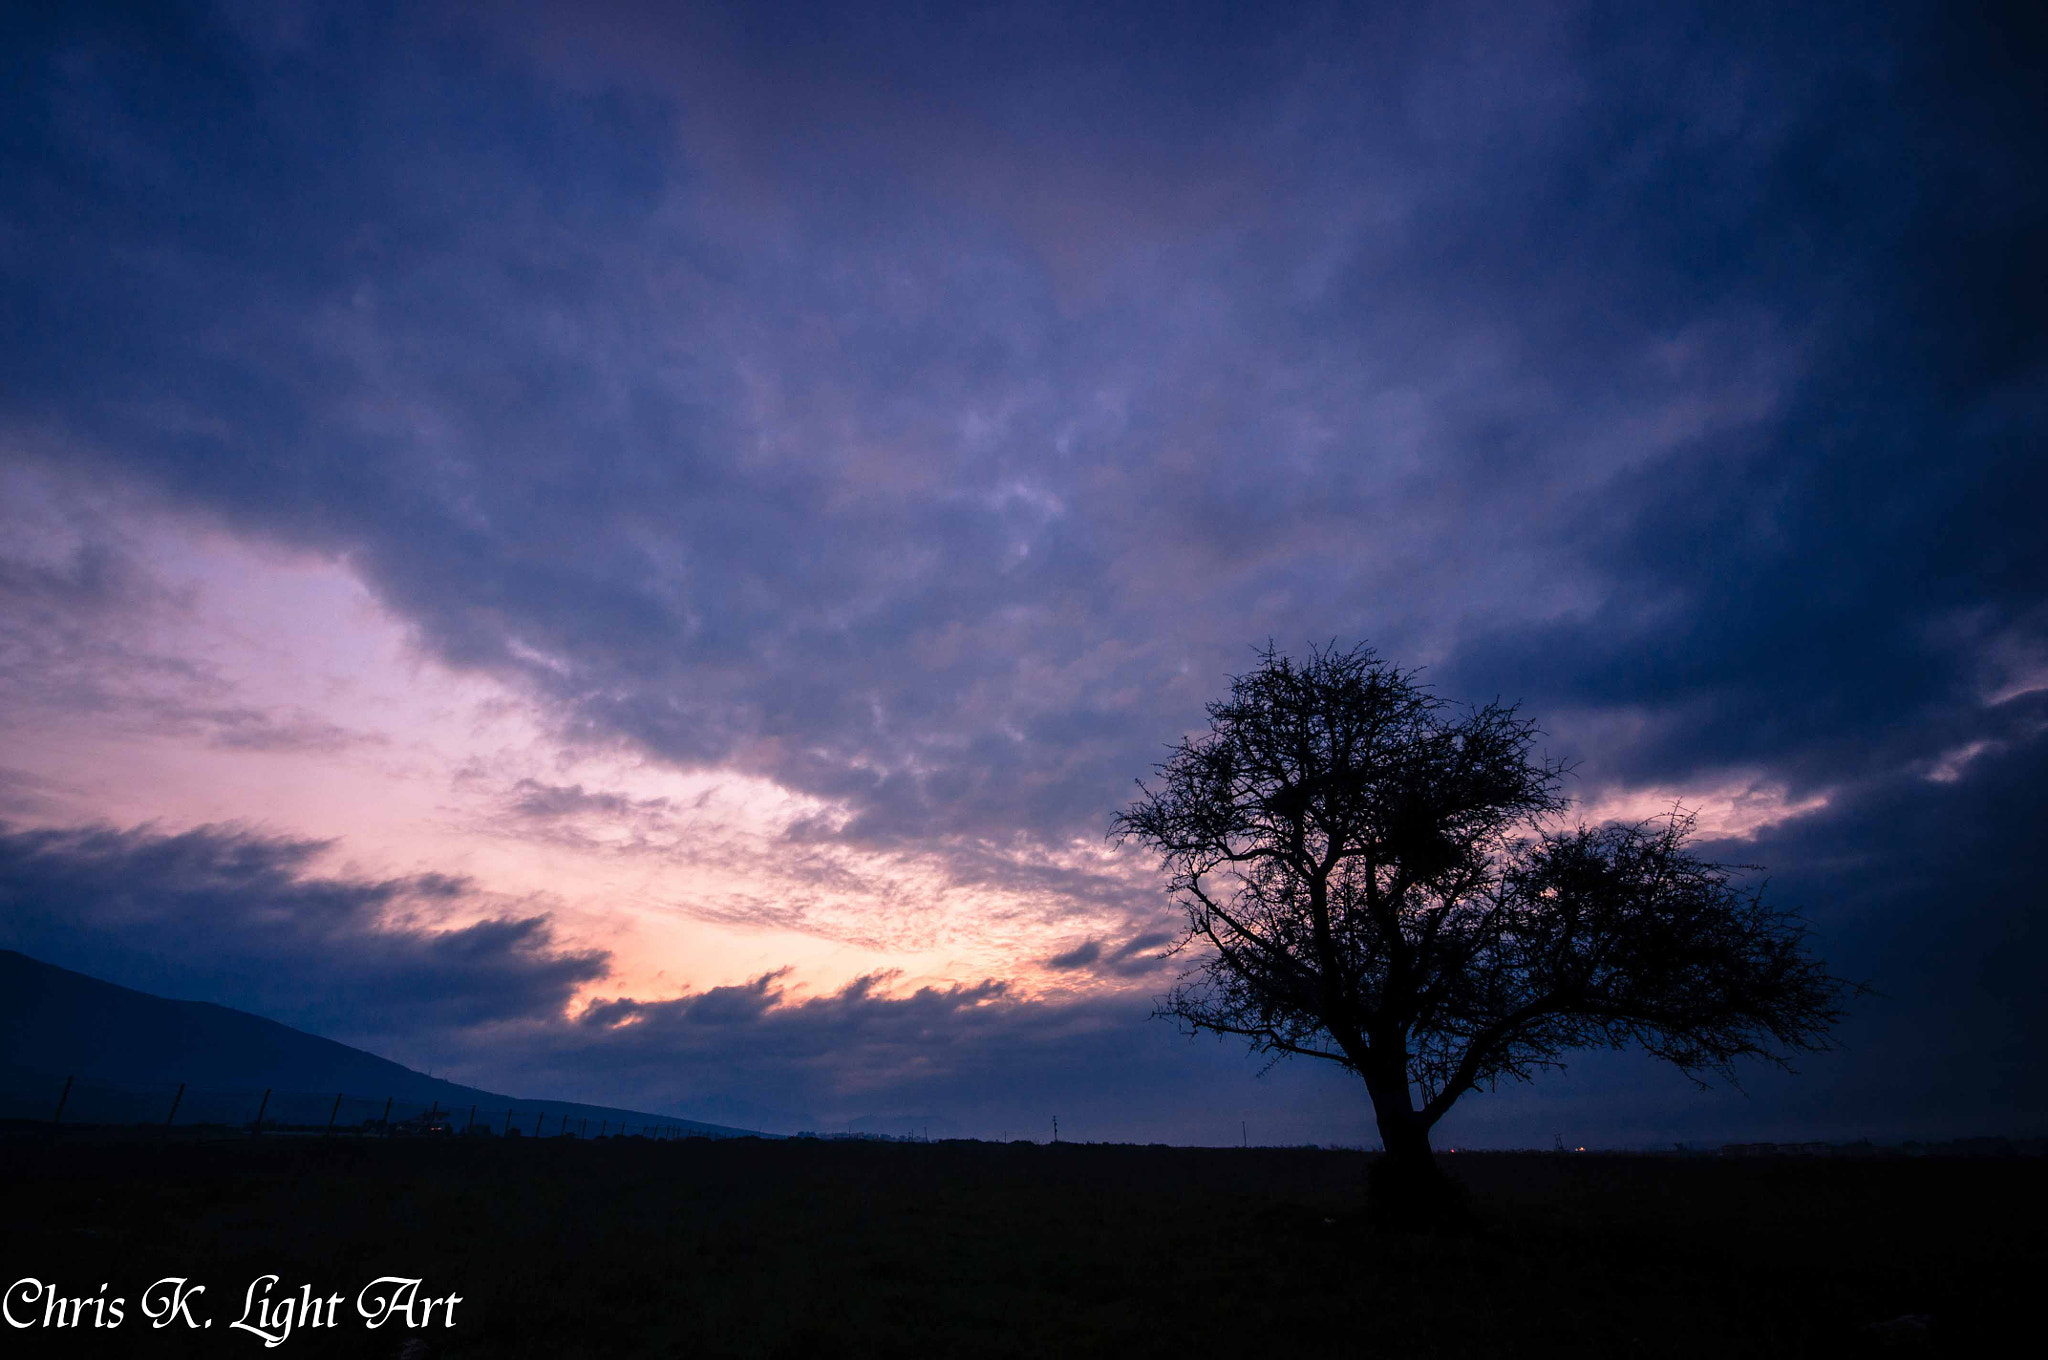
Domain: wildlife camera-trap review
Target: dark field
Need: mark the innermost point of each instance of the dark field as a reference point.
(748, 1248)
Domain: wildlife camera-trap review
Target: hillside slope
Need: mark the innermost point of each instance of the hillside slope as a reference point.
(56, 1023)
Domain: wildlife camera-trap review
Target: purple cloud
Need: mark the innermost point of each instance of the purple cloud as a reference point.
(926, 412)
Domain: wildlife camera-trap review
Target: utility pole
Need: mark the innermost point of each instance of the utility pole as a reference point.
(1055, 1128)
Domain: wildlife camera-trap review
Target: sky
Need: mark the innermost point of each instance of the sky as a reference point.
(629, 552)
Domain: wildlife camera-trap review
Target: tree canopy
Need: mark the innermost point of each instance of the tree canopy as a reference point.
(1381, 878)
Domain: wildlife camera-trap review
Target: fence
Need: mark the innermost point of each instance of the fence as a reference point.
(275, 1112)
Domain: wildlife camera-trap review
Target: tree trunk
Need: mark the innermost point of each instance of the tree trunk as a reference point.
(1406, 1191)
(1403, 1136)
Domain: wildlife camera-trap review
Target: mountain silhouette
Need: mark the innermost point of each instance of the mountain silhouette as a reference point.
(55, 1023)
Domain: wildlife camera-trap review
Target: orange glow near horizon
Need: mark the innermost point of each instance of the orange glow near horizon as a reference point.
(300, 707)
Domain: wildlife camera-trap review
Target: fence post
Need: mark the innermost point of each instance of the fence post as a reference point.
(65, 1095)
(176, 1101)
(256, 1129)
(334, 1112)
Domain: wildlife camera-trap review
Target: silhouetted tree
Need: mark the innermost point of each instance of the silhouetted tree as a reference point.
(1373, 876)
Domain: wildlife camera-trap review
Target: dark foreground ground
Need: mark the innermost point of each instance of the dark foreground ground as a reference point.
(747, 1248)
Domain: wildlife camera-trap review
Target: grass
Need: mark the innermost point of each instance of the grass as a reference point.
(751, 1248)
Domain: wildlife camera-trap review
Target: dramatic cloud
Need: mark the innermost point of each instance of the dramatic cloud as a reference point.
(223, 914)
(1134, 957)
(762, 482)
